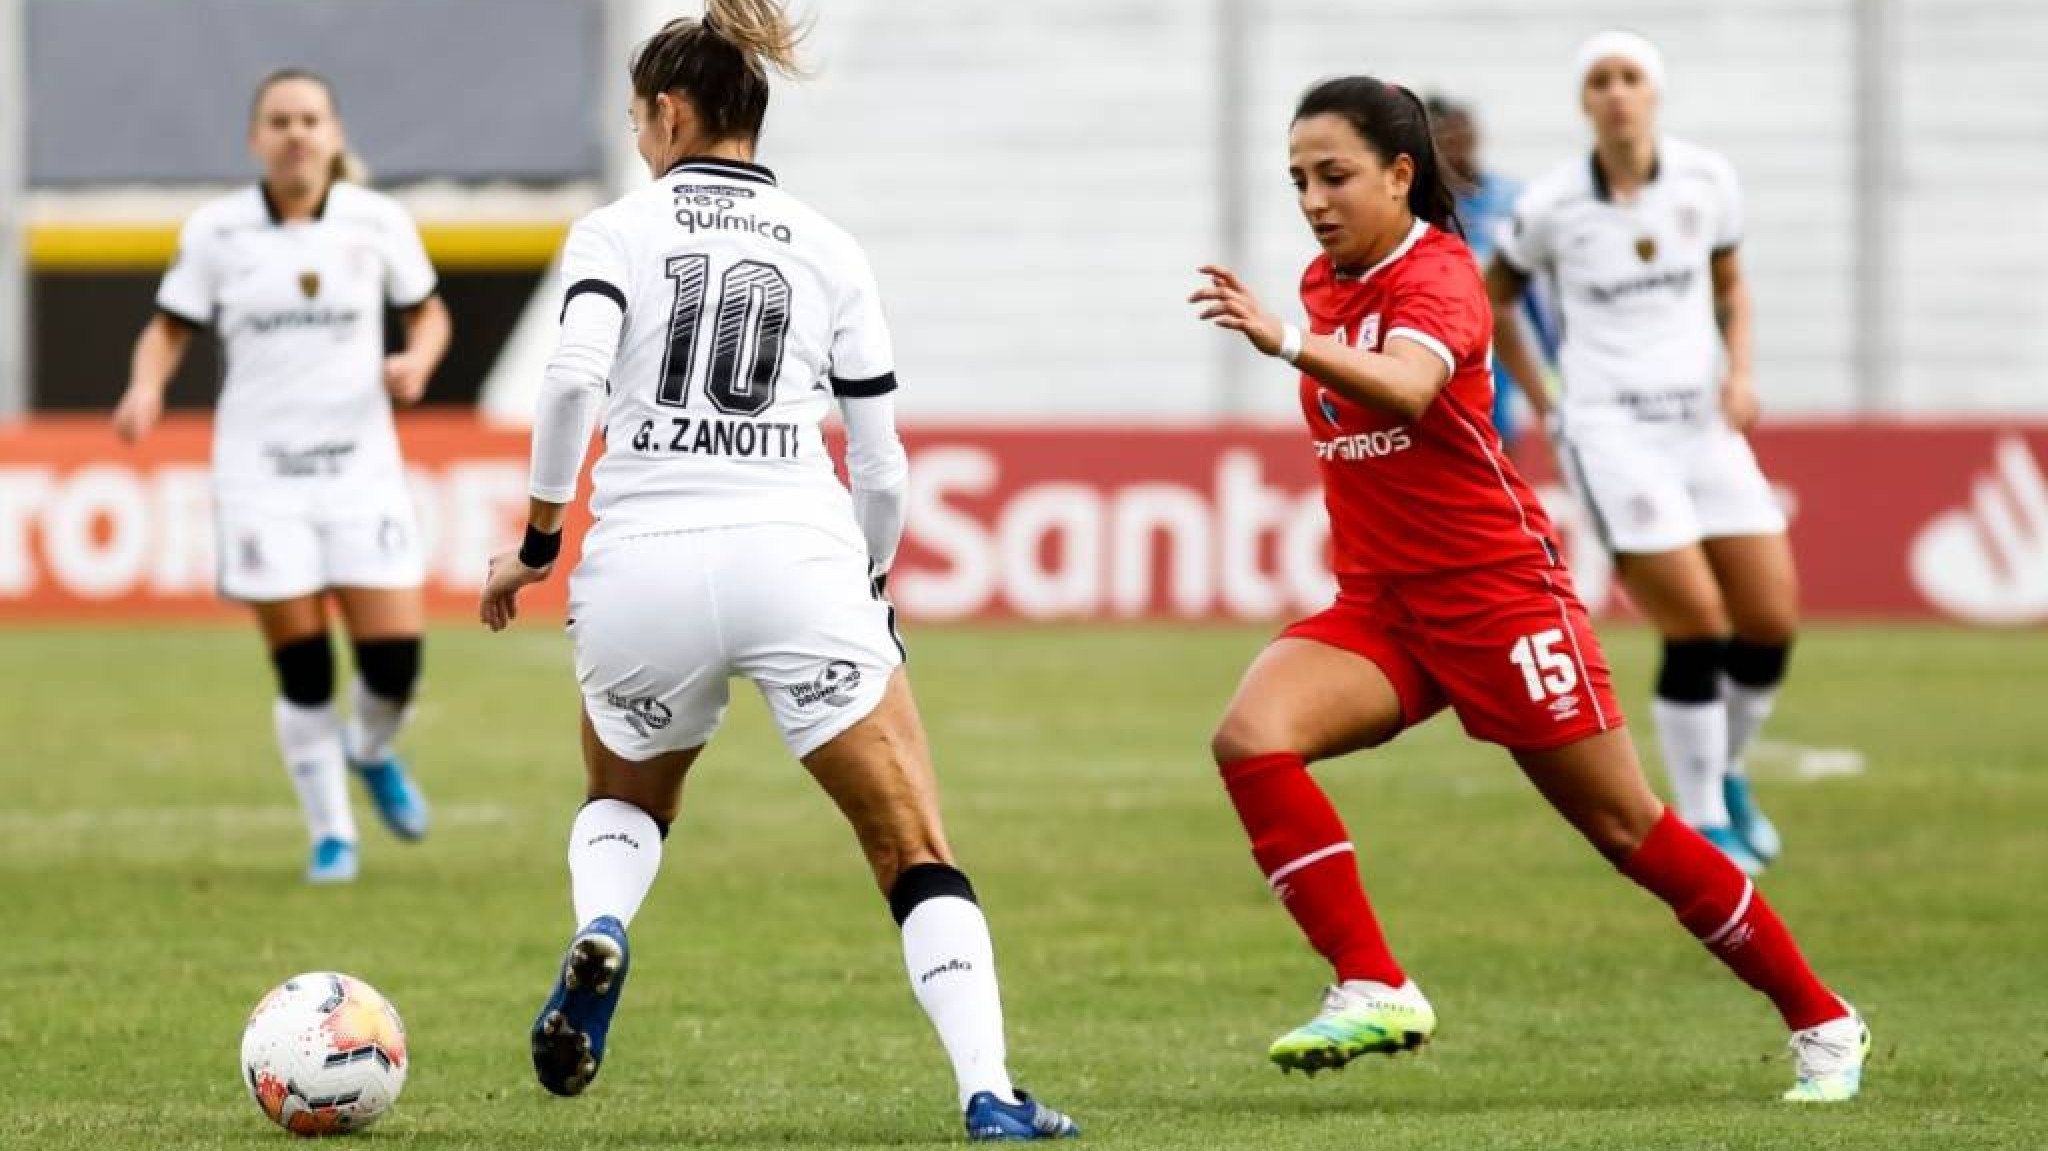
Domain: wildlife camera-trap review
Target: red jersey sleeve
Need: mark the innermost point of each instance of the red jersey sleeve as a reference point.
(1442, 305)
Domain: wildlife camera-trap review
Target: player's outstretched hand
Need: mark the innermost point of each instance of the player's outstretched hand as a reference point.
(137, 413)
(499, 604)
(1229, 304)
(405, 377)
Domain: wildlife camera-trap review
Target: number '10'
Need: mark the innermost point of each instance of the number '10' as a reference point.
(747, 333)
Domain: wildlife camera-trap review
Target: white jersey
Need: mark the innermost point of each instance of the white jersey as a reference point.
(299, 309)
(1633, 281)
(745, 313)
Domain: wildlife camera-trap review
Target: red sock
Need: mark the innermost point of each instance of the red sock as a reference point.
(1302, 847)
(1725, 911)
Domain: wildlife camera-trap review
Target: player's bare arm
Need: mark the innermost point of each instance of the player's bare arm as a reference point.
(427, 332)
(1733, 313)
(1504, 287)
(158, 352)
(1403, 380)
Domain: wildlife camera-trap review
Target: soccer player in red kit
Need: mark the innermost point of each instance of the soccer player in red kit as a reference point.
(1451, 594)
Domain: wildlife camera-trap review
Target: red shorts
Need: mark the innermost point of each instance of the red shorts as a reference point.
(1508, 648)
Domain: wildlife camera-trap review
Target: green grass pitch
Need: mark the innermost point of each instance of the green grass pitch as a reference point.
(149, 860)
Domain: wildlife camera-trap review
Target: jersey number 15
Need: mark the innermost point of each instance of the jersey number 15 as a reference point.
(749, 327)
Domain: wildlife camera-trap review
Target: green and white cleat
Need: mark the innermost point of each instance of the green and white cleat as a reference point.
(1358, 1018)
(1830, 1060)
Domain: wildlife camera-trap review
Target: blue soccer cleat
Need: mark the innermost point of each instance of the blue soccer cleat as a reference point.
(569, 1035)
(334, 861)
(1730, 844)
(990, 1120)
(399, 801)
(1749, 822)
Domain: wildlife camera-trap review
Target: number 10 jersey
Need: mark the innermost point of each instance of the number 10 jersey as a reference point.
(746, 313)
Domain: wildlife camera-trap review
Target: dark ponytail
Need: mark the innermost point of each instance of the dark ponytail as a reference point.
(1393, 122)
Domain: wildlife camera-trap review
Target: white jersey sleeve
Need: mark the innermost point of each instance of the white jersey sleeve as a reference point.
(594, 261)
(572, 390)
(1524, 241)
(863, 355)
(408, 274)
(191, 286)
(1728, 224)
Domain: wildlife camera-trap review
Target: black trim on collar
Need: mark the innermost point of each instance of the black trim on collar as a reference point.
(720, 166)
(1605, 194)
(270, 205)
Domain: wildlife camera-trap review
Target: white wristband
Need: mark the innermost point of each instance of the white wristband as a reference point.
(1290, 343)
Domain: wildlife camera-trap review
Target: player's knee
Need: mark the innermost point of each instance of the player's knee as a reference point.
(305, 670)
(389, 667)
(1241, 736)
(1691, 670)
(1767, 626)
(1758, 663)
(926, 881)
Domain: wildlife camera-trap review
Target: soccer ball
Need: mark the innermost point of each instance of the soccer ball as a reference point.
(324, 1054)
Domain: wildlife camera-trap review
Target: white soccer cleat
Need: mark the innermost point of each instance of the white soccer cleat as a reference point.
(1830, 1060)
(1358, 1018)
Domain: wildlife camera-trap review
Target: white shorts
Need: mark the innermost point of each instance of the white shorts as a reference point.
(268, 551)
(663, 622)
(1652, 488)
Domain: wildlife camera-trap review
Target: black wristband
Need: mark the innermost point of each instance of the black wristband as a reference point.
(540, 548)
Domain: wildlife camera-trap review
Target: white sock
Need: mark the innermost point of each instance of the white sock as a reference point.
(310, 739)
(614, 854)
(1694, 737)
(373, 724)
(1748, 708)
(952, 969)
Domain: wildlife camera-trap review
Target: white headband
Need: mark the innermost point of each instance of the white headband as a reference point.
(1626, 46)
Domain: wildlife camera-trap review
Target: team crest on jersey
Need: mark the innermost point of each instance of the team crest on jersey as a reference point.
(1327, 404)
(1646, 248)
(309, 283)
(1368, 333)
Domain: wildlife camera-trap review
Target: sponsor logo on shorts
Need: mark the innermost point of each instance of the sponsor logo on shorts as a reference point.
(317, 460)
(250, 549)
(390, 535)
(1564, 708)
(834, 686)
(646, 715)
(1666, 406)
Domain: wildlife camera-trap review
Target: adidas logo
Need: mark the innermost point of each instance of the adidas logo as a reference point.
(1988, 562)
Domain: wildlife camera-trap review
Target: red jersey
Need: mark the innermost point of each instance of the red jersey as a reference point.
(1438, 493)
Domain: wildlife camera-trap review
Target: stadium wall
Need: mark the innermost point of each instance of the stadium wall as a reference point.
(1049, 523)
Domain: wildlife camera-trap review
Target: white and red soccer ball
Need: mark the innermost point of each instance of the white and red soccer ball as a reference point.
(324, 1054)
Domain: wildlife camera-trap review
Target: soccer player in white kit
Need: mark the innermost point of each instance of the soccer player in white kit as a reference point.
(310, 499)
(710, 320)
(1638, 244)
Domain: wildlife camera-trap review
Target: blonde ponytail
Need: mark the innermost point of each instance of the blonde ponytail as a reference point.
(762, 32)
(350, 167)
